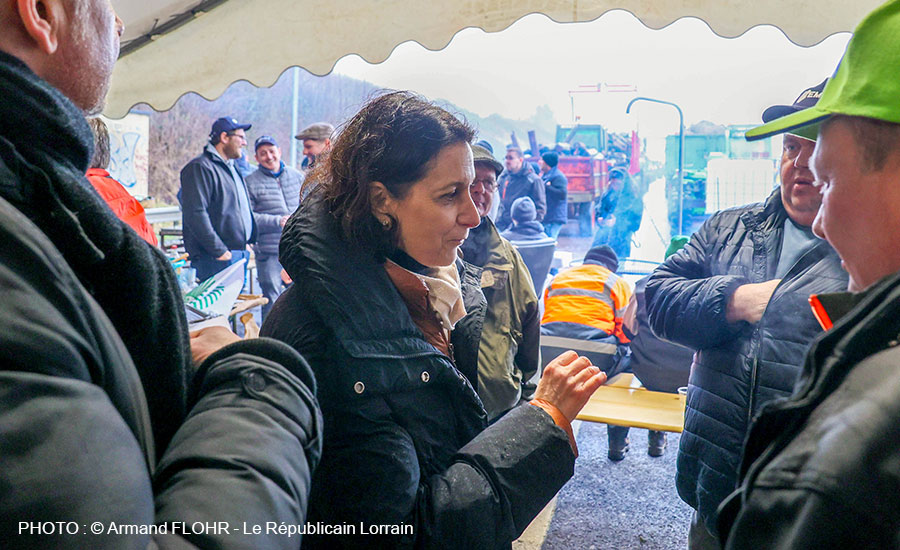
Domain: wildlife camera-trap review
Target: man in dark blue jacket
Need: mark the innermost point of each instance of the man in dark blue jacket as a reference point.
(737, 293)
(216, 217)
(557, 191)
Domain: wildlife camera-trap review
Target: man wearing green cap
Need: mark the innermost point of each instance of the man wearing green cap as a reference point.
(737, 293)
(822, 469)
(509, 348)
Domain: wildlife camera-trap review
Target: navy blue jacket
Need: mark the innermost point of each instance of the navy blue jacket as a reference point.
(557, 193)
(210, 211)
(738, 367)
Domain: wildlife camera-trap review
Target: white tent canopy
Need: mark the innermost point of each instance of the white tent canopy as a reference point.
(180, 46)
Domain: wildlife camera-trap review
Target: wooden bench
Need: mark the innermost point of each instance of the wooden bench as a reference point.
(622, 401)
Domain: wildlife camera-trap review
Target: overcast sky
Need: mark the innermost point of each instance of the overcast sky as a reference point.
(537, 61)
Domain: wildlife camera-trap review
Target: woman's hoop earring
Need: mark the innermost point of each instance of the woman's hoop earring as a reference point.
(386, 223)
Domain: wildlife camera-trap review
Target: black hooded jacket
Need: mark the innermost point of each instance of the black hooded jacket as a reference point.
(406, 441)
(46, 146)
(238, 439)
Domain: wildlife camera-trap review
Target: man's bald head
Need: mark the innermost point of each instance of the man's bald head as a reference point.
(72, 44)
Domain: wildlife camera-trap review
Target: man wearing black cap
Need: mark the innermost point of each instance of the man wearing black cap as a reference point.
(215, 206)
(274, 195)
(525, 226)
(737, 293)
(557, 191)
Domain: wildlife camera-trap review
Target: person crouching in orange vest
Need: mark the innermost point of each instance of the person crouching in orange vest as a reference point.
(587, 303)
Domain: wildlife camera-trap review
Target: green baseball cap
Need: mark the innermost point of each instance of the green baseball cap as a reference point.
(865, 83)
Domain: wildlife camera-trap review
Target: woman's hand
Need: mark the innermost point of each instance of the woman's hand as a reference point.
(208, 340)
(568, 382)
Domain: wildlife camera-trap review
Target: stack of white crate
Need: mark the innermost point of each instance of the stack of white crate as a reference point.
(734, 182)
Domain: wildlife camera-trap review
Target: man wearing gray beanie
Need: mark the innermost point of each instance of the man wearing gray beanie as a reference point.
(525, 226)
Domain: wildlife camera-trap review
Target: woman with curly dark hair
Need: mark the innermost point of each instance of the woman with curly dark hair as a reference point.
(389, 318)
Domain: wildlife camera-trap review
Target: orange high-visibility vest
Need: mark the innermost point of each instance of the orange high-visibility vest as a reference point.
(589, 295)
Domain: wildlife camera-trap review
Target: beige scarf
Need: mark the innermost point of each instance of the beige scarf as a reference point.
(444, 294)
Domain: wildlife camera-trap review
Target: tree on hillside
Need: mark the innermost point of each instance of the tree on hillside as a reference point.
(179, 134)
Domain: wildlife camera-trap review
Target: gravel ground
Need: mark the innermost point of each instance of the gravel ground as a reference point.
(624, 505)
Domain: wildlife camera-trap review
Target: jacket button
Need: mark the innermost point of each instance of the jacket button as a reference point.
(359, 387)
(425, 376)
(255, 382)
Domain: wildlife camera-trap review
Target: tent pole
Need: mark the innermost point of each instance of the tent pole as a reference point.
(680, 154)
(295, 105)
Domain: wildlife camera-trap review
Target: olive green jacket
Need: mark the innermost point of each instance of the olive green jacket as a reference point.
(509, 350)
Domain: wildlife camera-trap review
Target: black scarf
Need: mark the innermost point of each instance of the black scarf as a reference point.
(45, 148)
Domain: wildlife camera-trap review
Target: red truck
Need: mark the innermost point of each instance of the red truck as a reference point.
(587, 174)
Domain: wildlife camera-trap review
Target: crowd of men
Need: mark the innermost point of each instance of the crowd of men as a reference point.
(111, 410)
(223, 212)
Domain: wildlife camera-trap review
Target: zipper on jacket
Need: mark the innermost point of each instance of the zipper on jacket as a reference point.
(752, 389)
(452, 354)
(757, 332)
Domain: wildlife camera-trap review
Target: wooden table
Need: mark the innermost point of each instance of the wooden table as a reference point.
(624, 402)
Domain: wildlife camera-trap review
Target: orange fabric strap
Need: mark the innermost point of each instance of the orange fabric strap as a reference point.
(819, 312)
(559, 419)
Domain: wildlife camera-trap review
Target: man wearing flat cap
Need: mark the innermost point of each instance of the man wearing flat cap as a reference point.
(737, 293)
(820, 470)
(316, 140)
(215, 207)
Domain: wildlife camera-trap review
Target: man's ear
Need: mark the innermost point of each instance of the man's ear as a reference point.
(42, 20)
(382, 202)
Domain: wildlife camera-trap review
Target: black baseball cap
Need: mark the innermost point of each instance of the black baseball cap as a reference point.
(807, 99)
(227, 124)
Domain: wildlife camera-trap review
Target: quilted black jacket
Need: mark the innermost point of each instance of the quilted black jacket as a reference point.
(738, 367)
